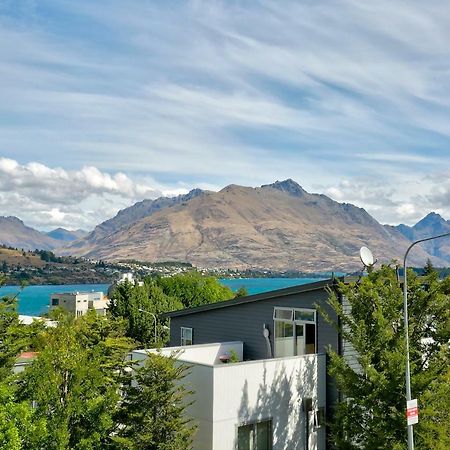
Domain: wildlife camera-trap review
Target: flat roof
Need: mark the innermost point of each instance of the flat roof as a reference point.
(318, 285)
(77, 293)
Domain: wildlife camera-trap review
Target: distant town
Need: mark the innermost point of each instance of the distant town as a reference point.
(44, 267)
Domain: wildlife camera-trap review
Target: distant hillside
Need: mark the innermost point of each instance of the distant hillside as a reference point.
(61, 234)
(125, 218)
(14, 233)
(431, 225)
(278, 226)
(42, 267)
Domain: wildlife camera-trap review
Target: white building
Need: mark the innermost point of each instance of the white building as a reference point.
(78, 303)
(265, 404)
(129, 278)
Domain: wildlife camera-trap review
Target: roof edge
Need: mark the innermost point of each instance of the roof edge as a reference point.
(317, 285)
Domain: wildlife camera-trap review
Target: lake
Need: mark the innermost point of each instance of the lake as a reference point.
(34, 300)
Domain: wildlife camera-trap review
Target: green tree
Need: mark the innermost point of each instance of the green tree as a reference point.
(433, 430)
(152, 414)
(14, 337)
(75, 380)
(194, 289)
(241, 292)
(428, 269)
(20, 429)
(127, 302)
(372, 411)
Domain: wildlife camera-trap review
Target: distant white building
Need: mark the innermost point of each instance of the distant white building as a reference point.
(78, 303)
(129, 277)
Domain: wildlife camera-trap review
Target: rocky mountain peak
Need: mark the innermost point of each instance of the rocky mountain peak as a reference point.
(431, 219)
(12, 219)
(193, 193)
(289, 186)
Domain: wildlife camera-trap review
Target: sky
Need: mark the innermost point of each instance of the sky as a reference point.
(106, 103)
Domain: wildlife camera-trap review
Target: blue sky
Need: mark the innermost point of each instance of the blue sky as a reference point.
(105, 103)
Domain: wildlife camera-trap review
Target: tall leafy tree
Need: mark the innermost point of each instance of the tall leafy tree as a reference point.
(433, 430)
(152, 414)
(14, 337)
(194, 289)
(75, 380)
(19, 426)
(372, 384)
(136, 304)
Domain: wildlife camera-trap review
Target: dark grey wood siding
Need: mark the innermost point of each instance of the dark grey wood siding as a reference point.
(244, 322)
(348, 351)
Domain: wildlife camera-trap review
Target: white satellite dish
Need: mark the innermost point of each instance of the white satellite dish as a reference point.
(366, 257)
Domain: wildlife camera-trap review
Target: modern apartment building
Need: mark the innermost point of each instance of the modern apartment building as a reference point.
(78, 303)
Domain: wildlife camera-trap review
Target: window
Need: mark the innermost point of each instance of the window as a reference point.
(55, 302)
(255, 436)
(295, 331)
(283, 313)
(305, 316)
(186, 336)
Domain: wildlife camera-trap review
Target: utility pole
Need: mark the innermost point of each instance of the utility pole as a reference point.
(154, 320)
(405, 309)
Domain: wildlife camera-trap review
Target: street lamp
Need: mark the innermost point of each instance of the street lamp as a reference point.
(405, 308)
(154, 320)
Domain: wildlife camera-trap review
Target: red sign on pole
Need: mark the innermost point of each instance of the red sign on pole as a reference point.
(412, 412)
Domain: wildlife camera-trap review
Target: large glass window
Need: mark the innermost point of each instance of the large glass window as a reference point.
(186, 336)
(295, 331)
(255, 436)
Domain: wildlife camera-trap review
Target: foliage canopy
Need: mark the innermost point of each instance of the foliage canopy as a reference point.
(372, 381)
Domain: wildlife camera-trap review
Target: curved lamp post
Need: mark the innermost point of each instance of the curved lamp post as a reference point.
(154, 320)
(405, 308)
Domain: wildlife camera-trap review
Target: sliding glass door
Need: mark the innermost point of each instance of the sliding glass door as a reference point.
(284, 334)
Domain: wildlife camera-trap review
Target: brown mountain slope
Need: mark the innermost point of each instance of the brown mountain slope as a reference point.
(278, 226)
(124, 219)
(14, 233)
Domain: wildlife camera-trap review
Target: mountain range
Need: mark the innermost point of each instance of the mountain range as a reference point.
(277, 226)
(61, 234)
(14, 233)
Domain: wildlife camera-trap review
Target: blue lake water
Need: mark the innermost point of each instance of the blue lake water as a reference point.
(258, 285)
(34, 300)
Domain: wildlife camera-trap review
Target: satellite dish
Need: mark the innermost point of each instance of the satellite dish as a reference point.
(366, 257)
(266, 333)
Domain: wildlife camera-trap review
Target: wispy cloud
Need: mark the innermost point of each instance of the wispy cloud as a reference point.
(197, 92)
(49, 197)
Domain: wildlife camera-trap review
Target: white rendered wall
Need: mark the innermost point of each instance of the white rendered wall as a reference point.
(200, 380)
(269, 389)
(227, 395)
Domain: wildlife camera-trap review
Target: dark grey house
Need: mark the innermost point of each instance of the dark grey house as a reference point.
(278, 323)
(276, 397)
